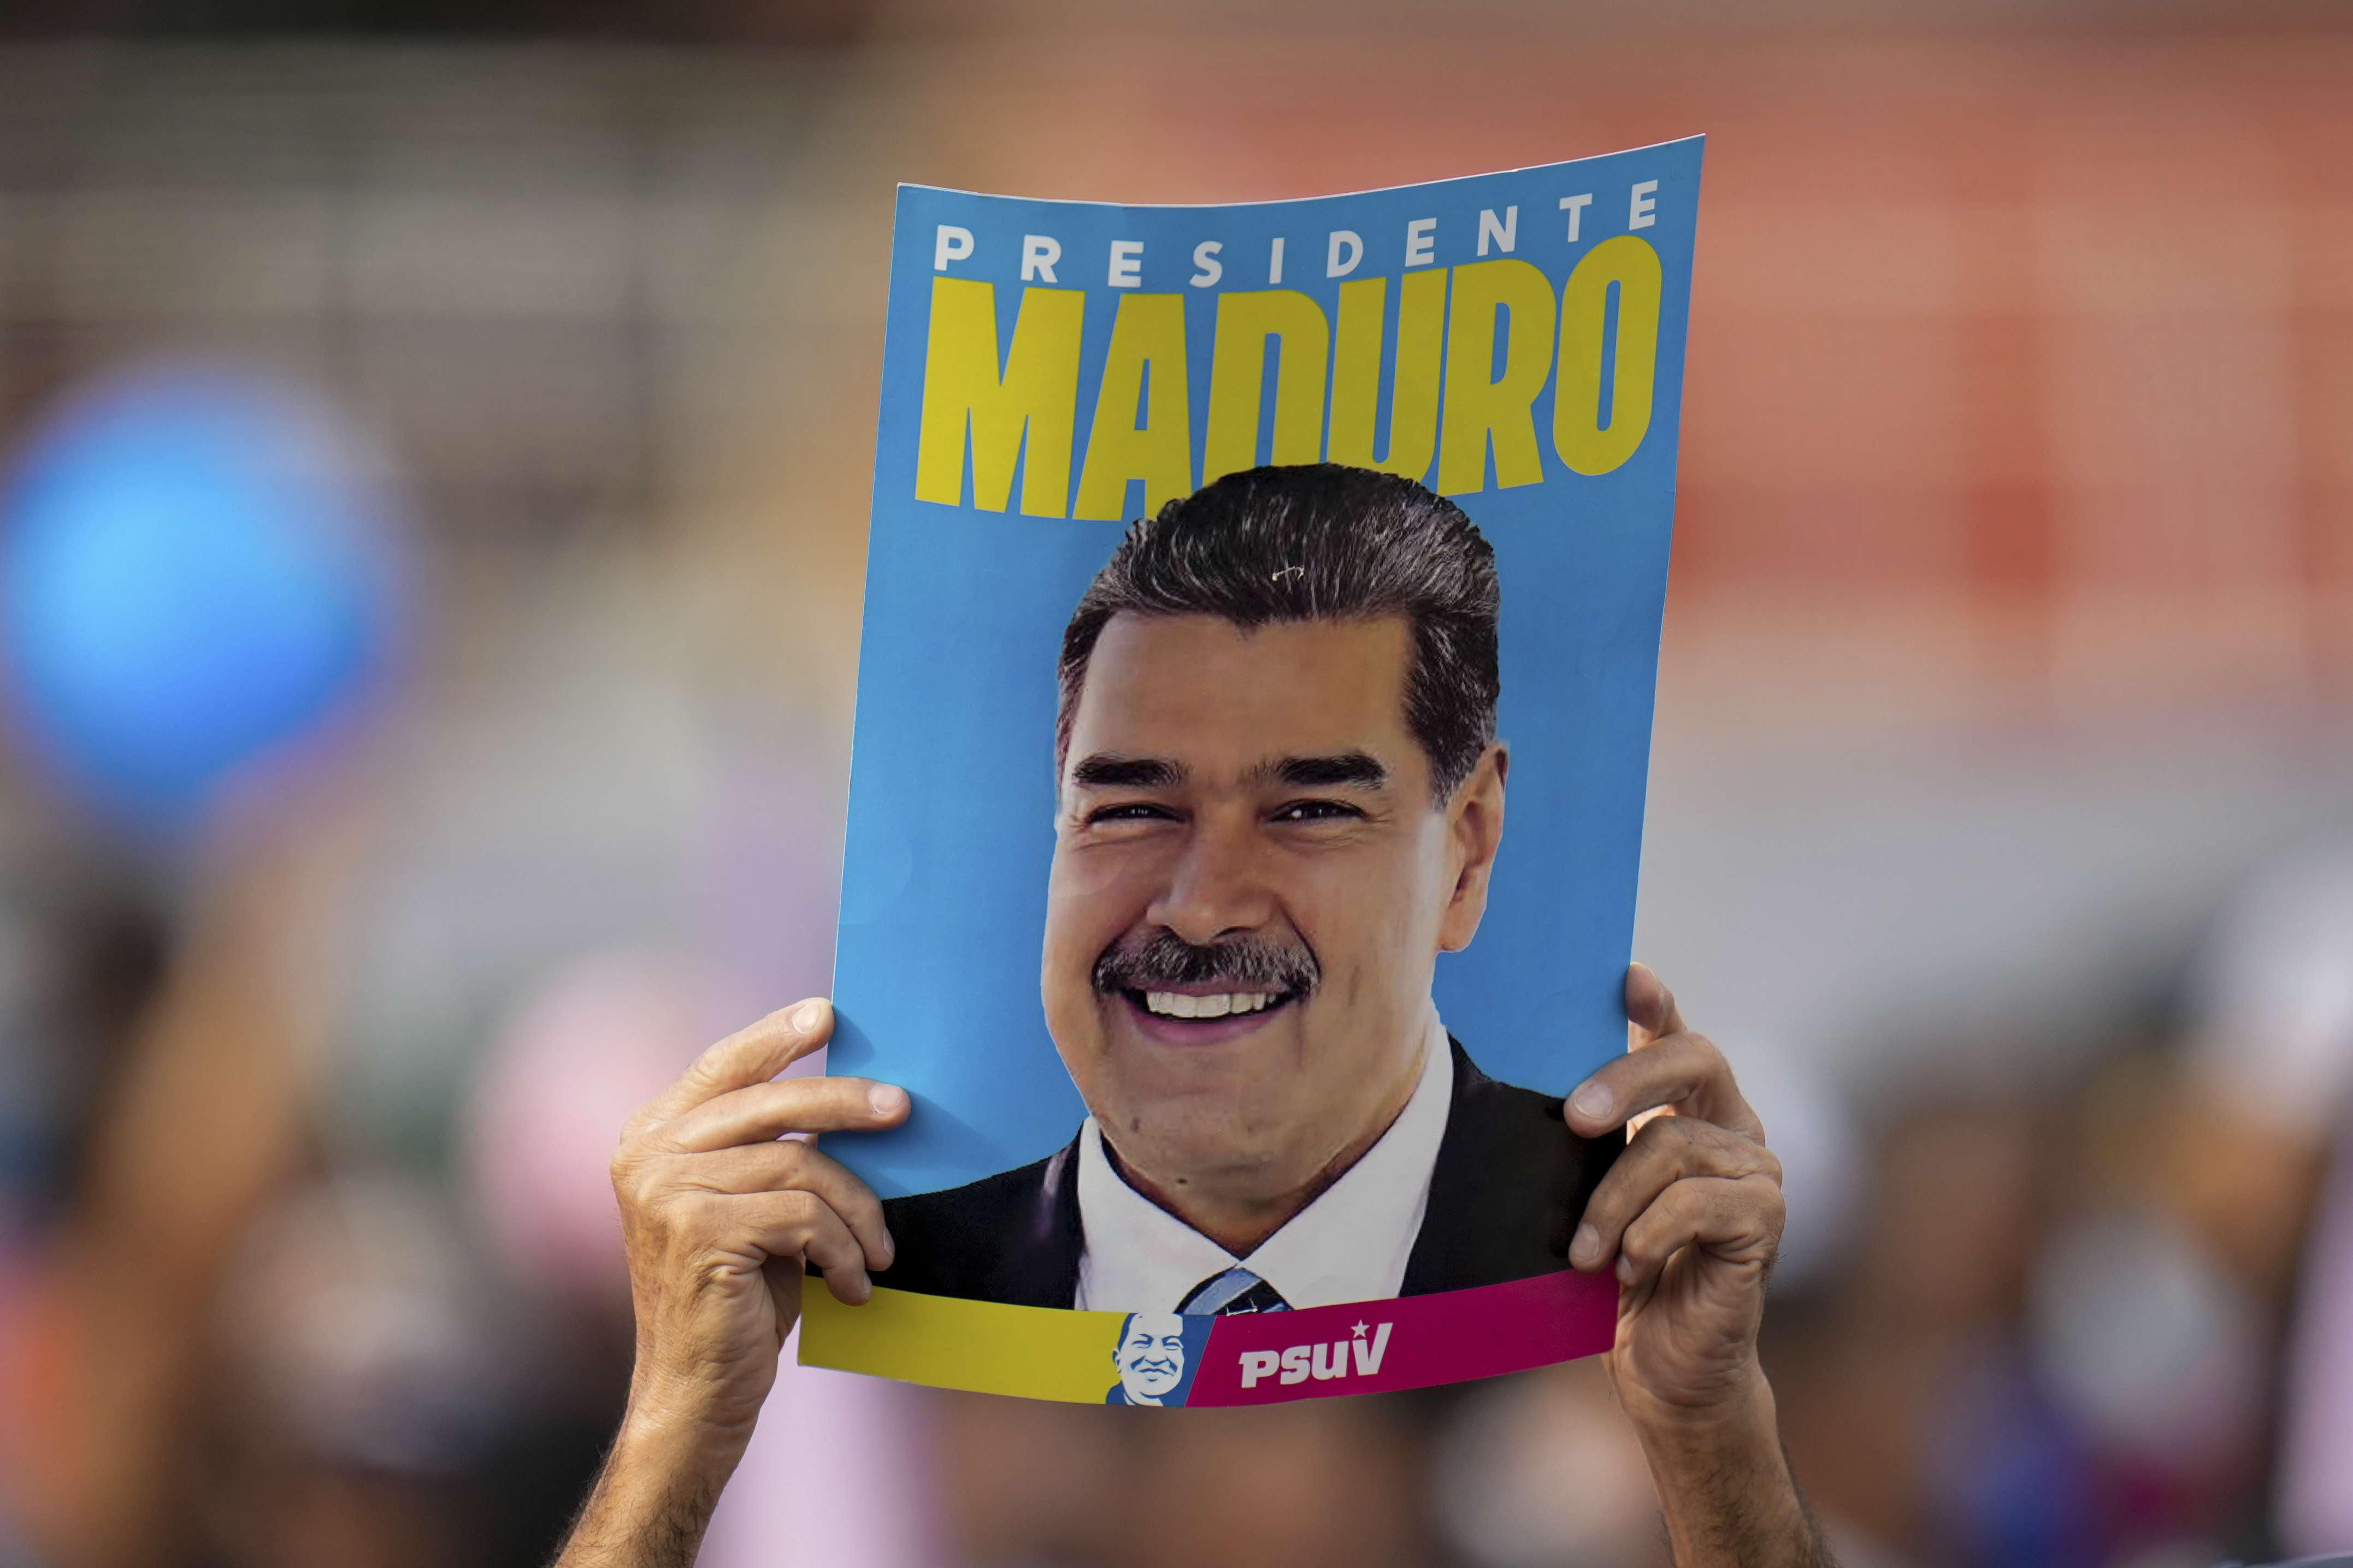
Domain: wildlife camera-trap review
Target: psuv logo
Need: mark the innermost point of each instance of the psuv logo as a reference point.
(1360, 1357)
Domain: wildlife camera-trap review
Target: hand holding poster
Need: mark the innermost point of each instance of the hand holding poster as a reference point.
(1229, 568)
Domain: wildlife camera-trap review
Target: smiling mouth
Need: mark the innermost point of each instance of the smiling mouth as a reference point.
(1180, 1006)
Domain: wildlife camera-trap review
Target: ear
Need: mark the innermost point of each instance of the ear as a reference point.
(1475, 831)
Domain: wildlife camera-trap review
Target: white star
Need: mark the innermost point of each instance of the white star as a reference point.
(1360, 1330)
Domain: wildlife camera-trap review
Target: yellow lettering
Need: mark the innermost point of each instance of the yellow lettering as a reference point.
(1357, 372)
(1145, 365)
(1479, 404)
(1237, 373)
(1034, 402)
(1585, 444)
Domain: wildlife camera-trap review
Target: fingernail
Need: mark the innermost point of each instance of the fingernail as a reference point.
(1587, 1249)
(1625, 1269)
(807, 1016)
(1594, 1102)
(889, 1250)
(886, 1100)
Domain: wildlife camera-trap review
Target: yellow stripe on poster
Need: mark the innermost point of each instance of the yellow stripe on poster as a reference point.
(1038, 1352)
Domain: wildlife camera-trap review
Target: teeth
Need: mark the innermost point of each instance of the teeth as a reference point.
(1177, 1005)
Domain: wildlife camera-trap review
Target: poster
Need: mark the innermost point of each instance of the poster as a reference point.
(1253, 719)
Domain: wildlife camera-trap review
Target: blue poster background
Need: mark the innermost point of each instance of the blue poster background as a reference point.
(952, 783)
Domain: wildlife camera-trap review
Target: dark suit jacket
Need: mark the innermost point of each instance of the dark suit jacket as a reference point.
(1504, 1198)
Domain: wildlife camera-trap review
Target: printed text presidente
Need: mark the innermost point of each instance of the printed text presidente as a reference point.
(1475, 346)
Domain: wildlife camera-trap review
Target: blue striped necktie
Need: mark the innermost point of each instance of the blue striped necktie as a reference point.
(1235, 1291)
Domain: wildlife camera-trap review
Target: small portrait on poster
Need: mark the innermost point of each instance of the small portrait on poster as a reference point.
(1157, 1354)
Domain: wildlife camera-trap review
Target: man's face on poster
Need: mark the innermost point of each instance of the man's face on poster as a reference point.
(1152, 1355)
(1247, 809)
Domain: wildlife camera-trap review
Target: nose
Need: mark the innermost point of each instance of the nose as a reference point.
(1218, 886)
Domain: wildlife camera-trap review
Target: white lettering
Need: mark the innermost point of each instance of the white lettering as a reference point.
(1127, 264)
(1295, 1364)
(1575, 207)
(1420, 242)
(1343, 239)
(1257, 1364)
(1503, 233)
(954, 245)
(1038, 254)
(1369, 1358)
(1331, 1361)
(1205, 257)
(1640, 207)
(1274, 263)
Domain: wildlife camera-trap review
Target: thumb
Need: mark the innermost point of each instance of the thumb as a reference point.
(1650, 1005)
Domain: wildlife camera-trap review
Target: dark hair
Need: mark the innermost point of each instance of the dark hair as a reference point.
(1320, 542)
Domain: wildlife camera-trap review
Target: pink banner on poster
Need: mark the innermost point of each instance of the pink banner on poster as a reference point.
(1412, 1341)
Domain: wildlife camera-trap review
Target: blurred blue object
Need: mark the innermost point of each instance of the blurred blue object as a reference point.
(199, 567)
(2012, 1482)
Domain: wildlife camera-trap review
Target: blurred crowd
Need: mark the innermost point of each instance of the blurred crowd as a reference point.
(432, 489)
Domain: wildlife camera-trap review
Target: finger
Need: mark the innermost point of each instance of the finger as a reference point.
(1682, 1070)
(801, 1225)
(769, 1110)
(784, 1276)
(1669, 1150)
(791, 1166)
(749, 1056)
(1737, 1221)
(1650, 1005)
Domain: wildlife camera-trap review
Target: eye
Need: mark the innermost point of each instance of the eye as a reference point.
(1318, 811)
(1130, 811)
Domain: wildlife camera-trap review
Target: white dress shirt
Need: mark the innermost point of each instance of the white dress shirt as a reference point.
(1350, 1245)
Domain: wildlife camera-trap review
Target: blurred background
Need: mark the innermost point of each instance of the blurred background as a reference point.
(436, 446)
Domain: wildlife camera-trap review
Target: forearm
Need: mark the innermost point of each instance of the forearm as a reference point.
(654, 1497)
(1725, 1487)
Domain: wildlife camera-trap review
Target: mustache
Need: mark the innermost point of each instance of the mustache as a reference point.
(1163, 959)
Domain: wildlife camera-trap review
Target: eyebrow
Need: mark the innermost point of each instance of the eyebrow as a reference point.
(1359, 769)
(1107, 770)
